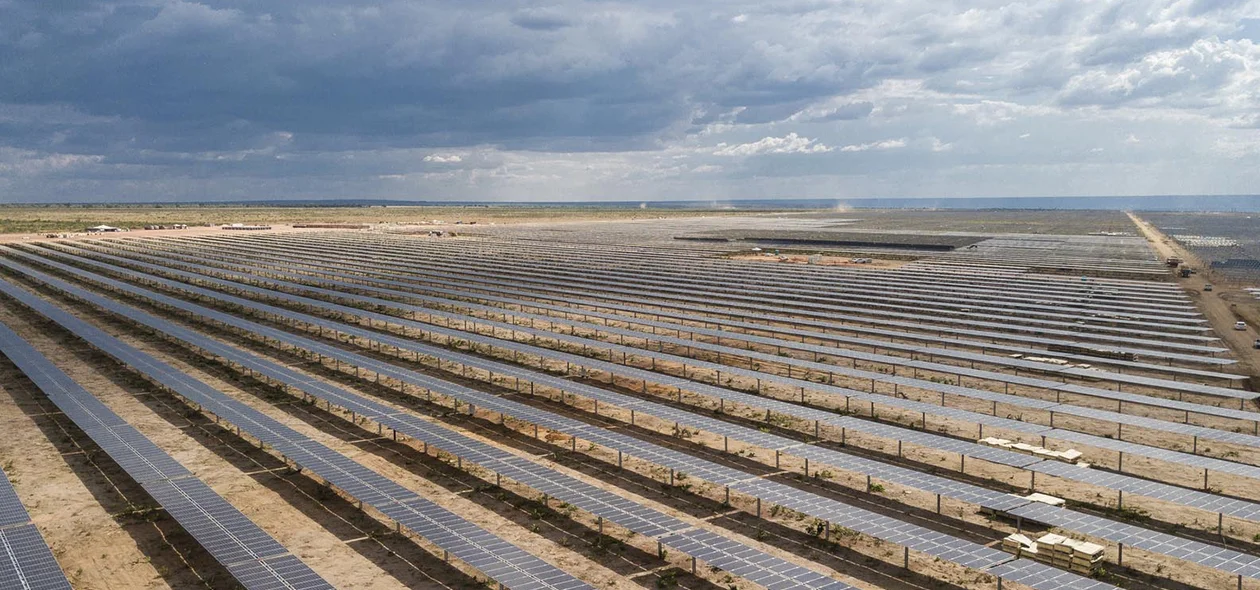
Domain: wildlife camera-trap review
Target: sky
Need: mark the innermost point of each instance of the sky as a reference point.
(173, 100)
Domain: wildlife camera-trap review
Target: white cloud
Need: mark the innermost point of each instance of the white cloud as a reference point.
(19, 162)
(887, 144)
(1236, 147)
(788, 144)
(444, 158)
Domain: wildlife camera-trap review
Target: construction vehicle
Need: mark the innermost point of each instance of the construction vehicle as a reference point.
(1173, 261)
(1186, 272)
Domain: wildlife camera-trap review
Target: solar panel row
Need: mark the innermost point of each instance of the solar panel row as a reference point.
(1138, 421)
(26, 562)
(356, 282)
(686, 284)
(1213, 556)
(220, 528)
(1180, 458)
(747, 311)
(721, 287)
(641, 519)
(1238, 508)
(466, 541)
(376, 264)
(857, 519)
(737, 485)
(625, 247)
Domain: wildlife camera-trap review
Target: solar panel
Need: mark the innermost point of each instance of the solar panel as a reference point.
(879, 526)
(767, 319)
(1134, 449)
(1037, 575)
(818, 349)
(402, 343)
(26, 563)
(544, 245)
(284, 572)
(722, 552)
(137, 455)
(11, 509)
(1025, 427)
(218, 526)
(979, 451)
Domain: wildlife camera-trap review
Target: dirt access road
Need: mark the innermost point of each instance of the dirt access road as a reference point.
(1215, 304)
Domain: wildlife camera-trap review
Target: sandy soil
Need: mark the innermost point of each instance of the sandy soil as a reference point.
(151, 233)
(43, 219)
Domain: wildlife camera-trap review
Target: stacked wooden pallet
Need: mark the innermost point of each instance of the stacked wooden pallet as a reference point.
(1068, 456)
(1063, 552)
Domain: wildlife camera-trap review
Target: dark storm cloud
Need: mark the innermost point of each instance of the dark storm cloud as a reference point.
(479, 95)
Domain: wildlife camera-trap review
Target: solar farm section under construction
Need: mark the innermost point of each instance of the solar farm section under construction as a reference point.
(698, 403)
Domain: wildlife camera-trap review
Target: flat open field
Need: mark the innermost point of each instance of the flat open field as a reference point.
(1025, 221)
(592, 402)
(42, 219)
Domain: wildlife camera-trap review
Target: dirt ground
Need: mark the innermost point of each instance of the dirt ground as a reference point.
(29, 219)
(154, 233)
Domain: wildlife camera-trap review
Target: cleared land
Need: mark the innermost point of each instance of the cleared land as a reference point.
(39, 219)
(1056, 222)
(631, 409)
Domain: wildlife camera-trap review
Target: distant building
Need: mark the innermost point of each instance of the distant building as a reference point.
(103, 229)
